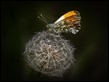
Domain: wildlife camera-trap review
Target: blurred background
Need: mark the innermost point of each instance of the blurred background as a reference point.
(19, 23)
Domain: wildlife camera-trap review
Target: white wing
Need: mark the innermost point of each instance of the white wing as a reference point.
(61, 18)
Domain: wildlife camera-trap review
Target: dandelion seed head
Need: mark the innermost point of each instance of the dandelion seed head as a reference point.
(49, 53)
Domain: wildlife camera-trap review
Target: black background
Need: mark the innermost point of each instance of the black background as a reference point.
(19, 22)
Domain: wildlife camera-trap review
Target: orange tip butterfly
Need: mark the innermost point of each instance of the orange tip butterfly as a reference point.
(69, 22)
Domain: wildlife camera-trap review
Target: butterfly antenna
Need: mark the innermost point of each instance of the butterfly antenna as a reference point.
(42, 18)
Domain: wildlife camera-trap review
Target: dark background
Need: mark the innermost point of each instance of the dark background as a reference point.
(19, 22)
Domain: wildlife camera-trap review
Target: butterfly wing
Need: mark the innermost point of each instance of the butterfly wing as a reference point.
(68, 14)
(69, 22)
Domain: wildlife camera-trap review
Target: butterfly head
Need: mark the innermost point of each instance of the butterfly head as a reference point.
(50, 25)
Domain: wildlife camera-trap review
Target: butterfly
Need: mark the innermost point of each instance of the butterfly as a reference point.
(69, 22)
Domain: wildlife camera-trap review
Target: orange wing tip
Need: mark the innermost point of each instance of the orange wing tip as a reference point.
(70, 13)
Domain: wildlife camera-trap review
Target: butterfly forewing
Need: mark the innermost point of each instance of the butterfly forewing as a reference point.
(69, 22)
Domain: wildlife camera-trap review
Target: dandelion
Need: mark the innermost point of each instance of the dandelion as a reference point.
(49, 53)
